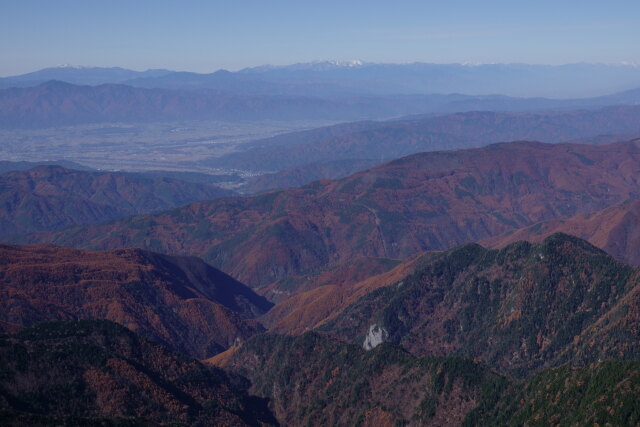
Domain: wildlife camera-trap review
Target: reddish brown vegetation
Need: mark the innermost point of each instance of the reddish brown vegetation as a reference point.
(422, 202)
(615, 229)
(518, 309)
(310, 309)
(52, 197)
(99, 373)
(179, 301)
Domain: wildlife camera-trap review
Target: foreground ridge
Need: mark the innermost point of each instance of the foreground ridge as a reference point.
(313, 379)
(88, 372)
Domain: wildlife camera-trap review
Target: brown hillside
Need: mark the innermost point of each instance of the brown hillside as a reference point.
(90, 373)
(178, 301)
(307, 310)
(52, 197)
(340, 275)
(615, 229)
(428, 201)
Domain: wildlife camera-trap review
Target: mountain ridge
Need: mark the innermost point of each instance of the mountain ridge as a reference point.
(568, 80)
(613, 229)
(57, 103)
(385, 141)
(520, 309)
(52, 197)
(427, 201)
(180, 302)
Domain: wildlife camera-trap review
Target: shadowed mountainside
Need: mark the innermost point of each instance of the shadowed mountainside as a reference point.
(180, 302)
(52, 197)
(100, 373)
(315, 380)
(520, 309)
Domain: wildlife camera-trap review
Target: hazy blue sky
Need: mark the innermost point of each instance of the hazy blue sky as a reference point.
(208, 35)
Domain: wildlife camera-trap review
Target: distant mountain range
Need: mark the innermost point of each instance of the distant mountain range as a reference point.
(56, 103)
(79, 76)
(60, 104)
(69, 96)
(332, 78)
(572, 80)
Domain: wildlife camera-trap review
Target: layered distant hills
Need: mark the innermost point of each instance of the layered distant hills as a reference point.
(79, 75)
(346, 147)
(57, 103)
(422, 202)
(51, 197)
(380, 331)
(414, 271)
(330, 78)
(235, 97)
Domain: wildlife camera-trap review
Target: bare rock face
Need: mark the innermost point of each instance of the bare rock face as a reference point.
(376, 336)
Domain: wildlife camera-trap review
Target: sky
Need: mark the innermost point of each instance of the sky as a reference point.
(205, 36)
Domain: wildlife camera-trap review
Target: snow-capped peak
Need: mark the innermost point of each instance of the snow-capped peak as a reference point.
(67, 66)
(348, 64)
(328, 64)
(314, 65)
